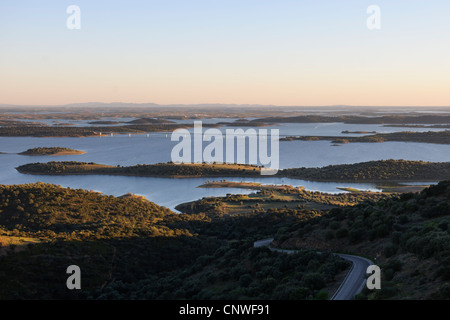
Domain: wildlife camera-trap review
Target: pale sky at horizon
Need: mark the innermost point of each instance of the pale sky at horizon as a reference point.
(279, 52)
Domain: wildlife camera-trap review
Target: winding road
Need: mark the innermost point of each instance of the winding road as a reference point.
(354, 281)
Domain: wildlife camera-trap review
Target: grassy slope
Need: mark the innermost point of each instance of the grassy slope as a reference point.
(271, 198)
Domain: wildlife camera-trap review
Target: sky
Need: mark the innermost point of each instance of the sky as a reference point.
(278, 52)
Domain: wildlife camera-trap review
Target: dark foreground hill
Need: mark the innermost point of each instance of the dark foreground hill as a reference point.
(130, 248)
(407, 236)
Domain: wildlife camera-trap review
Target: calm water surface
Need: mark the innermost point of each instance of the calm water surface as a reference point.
(156, 148)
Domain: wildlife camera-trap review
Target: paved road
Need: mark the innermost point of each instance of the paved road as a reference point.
(354, 281)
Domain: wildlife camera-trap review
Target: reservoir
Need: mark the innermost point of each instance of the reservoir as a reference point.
(128, 150)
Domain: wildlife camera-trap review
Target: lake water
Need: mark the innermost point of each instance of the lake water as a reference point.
(156, 148)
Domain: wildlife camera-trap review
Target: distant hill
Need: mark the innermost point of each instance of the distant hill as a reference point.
(149, 121)
(356, 119)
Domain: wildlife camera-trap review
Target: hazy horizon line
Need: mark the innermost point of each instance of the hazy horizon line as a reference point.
(149, 104)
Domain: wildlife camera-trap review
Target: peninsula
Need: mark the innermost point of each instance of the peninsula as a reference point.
(371, 171)
(438, 137)
(169, 169)
(51, 151)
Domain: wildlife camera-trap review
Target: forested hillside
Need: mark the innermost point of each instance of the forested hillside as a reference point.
(129, 247)
(408, 236)
(381, 170)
